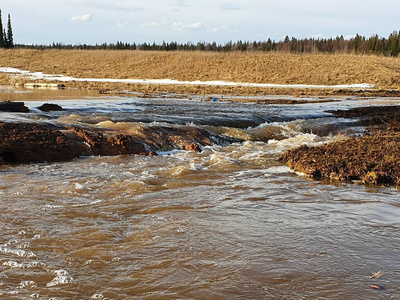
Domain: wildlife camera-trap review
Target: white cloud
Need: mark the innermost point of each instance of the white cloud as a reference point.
(83, 18)
(229, 6)
(173, 25)
(123, 24)
(317, 36)
(182, 26)
(349, 37)
(221, 28)
(156, 24)
(179, 3)
(109, 5)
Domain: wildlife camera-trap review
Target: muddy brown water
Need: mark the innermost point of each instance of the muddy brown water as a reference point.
(227, 223)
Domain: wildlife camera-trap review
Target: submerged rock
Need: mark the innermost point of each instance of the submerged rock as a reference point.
(26, 142)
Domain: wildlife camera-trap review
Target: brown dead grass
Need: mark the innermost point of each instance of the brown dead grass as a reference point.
(277, 68)
(373, 158)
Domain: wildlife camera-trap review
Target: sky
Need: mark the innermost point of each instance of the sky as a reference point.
(139, 21)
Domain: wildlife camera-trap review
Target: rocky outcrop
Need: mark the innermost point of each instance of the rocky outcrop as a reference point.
(25, 142)
(372, 115)
(9, 106)
(50, 107)
(101, 144)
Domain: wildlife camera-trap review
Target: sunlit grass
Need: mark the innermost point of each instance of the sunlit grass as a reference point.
(277, 68)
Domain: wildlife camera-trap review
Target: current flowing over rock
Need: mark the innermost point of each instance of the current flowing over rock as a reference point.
(26, 142)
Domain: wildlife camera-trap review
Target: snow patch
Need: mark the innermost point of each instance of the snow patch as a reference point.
(41, 76)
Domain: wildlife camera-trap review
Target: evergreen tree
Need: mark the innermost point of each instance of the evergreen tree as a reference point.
(393, 46)
(357, 43)
(2, 37)
(10, 38)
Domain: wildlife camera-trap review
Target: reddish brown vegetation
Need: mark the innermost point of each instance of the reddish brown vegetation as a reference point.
(374, 158)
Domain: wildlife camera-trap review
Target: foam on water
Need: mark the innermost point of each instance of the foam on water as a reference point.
(5, 249)
(27, 283)
(24, 265)
(62, 277)
(125, 127)
(279, 170)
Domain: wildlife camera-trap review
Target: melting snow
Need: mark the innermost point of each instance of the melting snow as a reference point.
(39, 75)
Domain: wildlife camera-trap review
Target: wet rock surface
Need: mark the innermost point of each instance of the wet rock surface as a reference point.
(9, 106)
(50, 107)
(372, 115)
(373, 158)
(26, 142)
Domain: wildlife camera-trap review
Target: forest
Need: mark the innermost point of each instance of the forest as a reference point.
(389, 46)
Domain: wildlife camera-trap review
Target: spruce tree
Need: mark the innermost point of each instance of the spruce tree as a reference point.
(10, 38)
(357, 43)
(2, 38)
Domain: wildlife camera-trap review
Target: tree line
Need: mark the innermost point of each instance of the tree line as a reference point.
(389, 46)
(386, 46)
(6, 37)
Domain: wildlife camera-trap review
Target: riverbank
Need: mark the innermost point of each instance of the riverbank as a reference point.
(259, 68)
(371, 159)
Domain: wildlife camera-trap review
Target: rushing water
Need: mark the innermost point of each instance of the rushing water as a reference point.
(227, 223)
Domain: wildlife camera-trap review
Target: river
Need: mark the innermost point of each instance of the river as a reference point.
(230, 222)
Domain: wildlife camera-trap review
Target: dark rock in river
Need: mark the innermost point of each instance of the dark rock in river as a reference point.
(371, 115)
(50, 107)
(9, 106)
(26, 142)
(109, 145)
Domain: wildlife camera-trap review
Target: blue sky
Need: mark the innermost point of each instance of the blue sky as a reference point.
(98, 21)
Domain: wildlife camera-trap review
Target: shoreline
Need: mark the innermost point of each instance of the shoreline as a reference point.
(370, 159)
(199, 90)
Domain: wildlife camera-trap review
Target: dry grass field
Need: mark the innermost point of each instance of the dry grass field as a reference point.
(276, 68)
